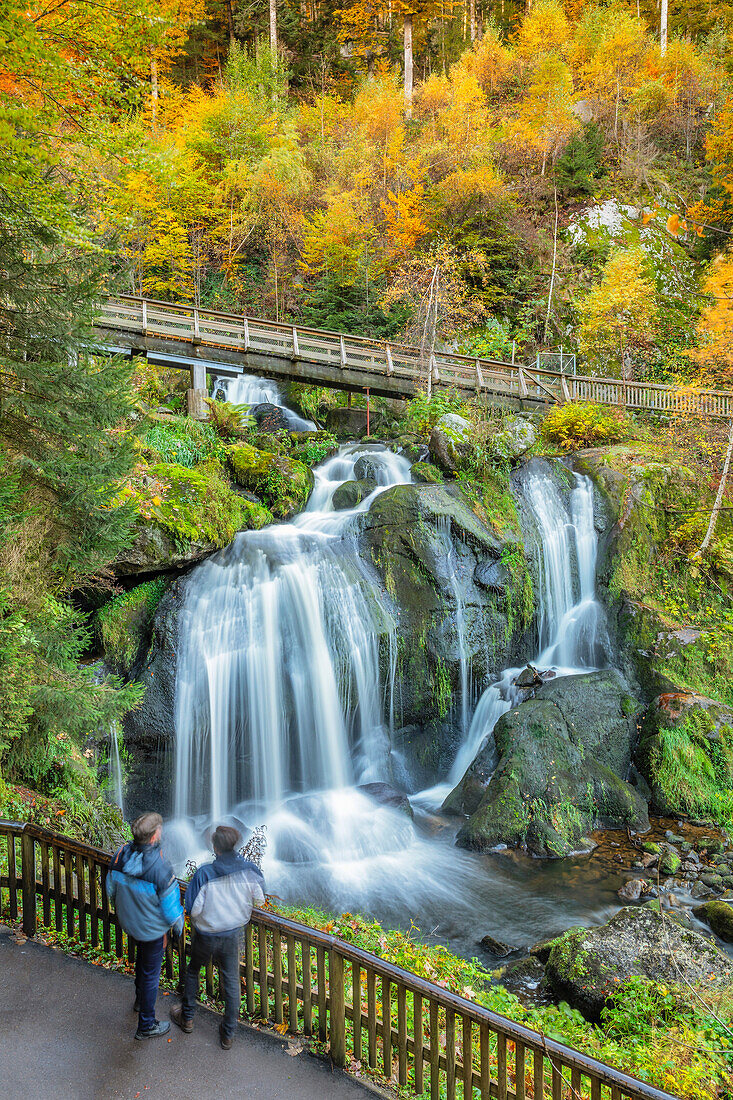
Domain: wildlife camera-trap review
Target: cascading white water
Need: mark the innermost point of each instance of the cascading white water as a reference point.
(115, 768)
(569, 615)
(278, 688)
(445, 534)
(248, 390)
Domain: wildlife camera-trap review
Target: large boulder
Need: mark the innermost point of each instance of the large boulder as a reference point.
(450, 441)
(284, 484)
(269, 417)
(686, 754)
(586, 964)
(564, 758)
(460, 592)
(351, 493)
(514, 441)
(351, 422)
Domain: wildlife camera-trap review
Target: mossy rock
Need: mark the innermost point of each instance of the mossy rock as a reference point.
(426, 472)
(669, 863)
(564, 755)
(585, 966)
(283, 484)
(351, 493)
(718, 915)
(183, 515)
(312, 447)
(125, 625)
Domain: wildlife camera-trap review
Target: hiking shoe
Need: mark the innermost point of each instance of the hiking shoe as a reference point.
(224, 1040)
(176, 1015)
(159, 1028)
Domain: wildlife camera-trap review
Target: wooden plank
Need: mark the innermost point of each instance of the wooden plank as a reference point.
(575, 1081)
(356, 1008)
(12, 877)
(501, 1078)
(371, 1018)
(519, 1071)
(418, 1040)
(387, 1027)
(435, 1052)
(337, 1008)
(322, 992)
(388, 359)
(28, 882)
(45, 883)
(307, 987)
(556, 1081)
(277, 974)
(467, 1044)
(69, 891)
(485, 1062)
(595, 1088)
(249, 970)
(292, 984)
(106, 919)
(296, 349)
(93, 902)
(262, 972)
(401, 1035)
(538, 1078)
(450, 1054)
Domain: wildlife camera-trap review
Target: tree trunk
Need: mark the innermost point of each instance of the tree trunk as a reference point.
(719, 498)
(408, 64)
(472, 17)
(554, 268)
(154, 93)
(230, 22)
(273, 25)
(663, 27)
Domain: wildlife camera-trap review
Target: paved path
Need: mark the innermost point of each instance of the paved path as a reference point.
(66, 1033)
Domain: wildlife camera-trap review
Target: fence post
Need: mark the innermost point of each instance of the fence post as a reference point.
(28, 883)
(337, 1012)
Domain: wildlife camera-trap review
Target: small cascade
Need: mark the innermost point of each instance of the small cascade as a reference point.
(249, 390)
(569, 615)
(115, 768)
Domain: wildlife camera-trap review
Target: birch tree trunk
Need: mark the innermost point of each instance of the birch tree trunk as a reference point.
(154, 93)
(407, 25)
(663, 27)
(472, 17)
(719, 498)
(273, 25)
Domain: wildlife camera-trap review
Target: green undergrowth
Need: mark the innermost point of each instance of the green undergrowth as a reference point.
(693, 767)
(192, 505)
(184, 441)
(574, 425)
(124, 623)
(284, 484)
(83, 815)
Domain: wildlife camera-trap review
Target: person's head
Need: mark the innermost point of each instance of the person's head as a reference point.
(147, 828)
(224, 839)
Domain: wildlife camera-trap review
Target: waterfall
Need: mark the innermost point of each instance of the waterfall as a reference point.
(445, 535)
(248, 390)
(115, 768)
(569, 615)
(278, 688)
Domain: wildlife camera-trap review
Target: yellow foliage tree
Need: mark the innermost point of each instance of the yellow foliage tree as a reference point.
(618, 315)
(545, 118)
(715, 327)
(544, 30)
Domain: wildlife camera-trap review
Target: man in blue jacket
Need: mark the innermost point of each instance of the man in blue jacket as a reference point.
(219, 900)
(147, 900)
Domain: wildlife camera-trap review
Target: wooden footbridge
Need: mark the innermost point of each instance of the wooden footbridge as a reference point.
(364, 1010)
(201, 340)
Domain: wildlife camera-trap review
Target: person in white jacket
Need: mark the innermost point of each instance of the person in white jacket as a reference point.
(219, 900)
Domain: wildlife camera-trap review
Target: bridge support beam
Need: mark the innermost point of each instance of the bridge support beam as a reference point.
(195, 403)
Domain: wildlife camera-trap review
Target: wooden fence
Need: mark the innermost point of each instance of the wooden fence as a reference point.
(414, 1033)
(396, 362)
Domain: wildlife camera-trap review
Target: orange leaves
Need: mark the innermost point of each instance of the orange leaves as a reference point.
(716, 323)
(673, 225)
(404, 225)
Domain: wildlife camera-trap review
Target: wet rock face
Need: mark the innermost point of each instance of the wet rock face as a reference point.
(718, 915)
(432, 553)
(586, 964)
(154, 550)
(450, 441)
(564, 756)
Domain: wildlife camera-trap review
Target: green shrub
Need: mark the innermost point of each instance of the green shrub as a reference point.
(185, 442)
(577, 425)
(314, 449)
(423, 412)
(229, 421)
(124, 623)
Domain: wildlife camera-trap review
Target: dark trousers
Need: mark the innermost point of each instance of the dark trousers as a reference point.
(222, 949)
(148, 957)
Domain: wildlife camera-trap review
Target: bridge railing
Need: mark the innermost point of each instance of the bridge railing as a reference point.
(297, 343)
(416, 1034)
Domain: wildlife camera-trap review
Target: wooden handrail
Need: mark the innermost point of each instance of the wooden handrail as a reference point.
(499, 1057)
(400, 364)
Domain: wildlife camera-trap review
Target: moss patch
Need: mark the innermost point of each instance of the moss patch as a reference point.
(284, 484)
(124, 624)
(691, 767)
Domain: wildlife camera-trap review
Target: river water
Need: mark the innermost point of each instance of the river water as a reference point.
(281, 715)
